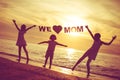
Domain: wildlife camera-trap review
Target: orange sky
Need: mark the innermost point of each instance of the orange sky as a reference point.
(101, 16)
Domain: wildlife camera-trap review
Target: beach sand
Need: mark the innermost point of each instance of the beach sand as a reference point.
(10, 69)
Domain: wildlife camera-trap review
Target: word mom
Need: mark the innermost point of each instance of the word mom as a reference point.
(73, 29)
(59, 28)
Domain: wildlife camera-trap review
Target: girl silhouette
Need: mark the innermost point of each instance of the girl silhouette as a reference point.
(21, 40)
(91, 53)
(50, 50)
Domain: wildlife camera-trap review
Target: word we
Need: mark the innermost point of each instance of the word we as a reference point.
(59, 28)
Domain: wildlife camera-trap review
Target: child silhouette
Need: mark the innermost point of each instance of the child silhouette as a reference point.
(21, 40)
(91, 53)
(50, 50)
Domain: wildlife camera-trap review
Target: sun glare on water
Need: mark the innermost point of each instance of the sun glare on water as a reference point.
(70, 52)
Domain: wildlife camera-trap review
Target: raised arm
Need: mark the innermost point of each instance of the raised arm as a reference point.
(30, 27)
(43, 42)
(89, 32)
(16, 25)
(113, 38)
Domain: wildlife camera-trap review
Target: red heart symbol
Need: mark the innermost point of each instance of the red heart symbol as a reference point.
(57, 29)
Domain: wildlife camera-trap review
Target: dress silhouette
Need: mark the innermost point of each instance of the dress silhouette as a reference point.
(51, 48)
(21, 40)
(91, 53)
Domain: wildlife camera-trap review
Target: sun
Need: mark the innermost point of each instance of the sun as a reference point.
(74, 21)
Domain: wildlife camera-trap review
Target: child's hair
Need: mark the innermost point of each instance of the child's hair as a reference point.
(23, 27)
(53, 37)
(97, 36)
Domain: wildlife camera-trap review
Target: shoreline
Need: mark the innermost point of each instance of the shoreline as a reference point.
(10, 59)
(10, 70)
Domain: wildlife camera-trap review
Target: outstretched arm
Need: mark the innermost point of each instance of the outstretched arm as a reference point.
(113, 38)
(89, 32)
(43, 42)
(16, 25)
(31, 27)
(61, 44)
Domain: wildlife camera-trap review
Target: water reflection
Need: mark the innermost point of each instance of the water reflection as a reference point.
(70, 53)
(66, 71)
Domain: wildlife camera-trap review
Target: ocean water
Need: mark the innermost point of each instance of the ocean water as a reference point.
(105, 64)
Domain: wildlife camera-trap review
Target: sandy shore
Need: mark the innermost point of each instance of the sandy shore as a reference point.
(11, 70)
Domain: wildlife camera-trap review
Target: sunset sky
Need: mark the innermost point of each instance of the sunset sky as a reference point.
(101, 16)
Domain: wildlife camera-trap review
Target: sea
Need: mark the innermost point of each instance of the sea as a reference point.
(106, 64)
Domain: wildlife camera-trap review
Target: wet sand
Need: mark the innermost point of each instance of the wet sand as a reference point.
(12, 70)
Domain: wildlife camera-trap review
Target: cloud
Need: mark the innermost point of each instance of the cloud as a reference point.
(4, 4)
(107, 12)
(100, 20)
(50, 12)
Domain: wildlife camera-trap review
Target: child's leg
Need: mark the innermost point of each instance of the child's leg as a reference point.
(82, 58)
(19, 52)
(88, 67)
(45, 62)
(24, 47)
(50, 62)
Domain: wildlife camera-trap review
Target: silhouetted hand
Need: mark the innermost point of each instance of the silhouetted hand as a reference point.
(114, 37)
(65, 46)
(86, 26)
(34, 25)
(13, 20)
(39, 43)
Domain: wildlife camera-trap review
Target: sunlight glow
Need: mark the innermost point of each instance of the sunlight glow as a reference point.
(65, 70)
(70, 52)
(74, 21)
